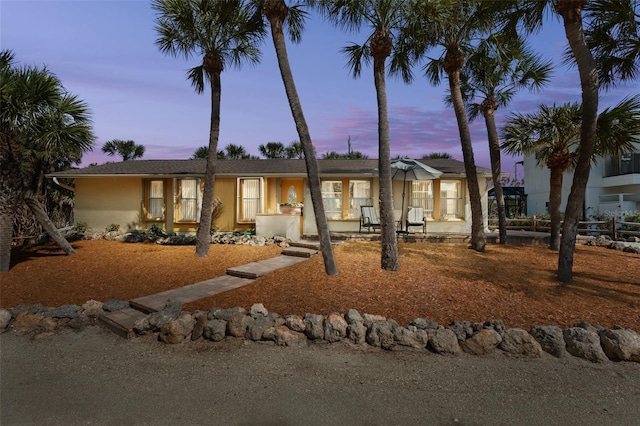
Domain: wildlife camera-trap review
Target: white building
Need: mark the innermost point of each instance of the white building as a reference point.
(613, 188)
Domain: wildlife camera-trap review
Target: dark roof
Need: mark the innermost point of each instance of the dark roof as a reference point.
(250, 168)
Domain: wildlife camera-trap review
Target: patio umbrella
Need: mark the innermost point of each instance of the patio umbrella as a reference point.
(408, 169)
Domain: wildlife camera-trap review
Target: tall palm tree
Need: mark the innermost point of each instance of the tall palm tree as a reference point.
(201, 153)
(273, 150)
(586, 26)
(235, 152)
(451, 27)
(553, 133)
(221, 33)
(294, 150)
(37, 115)
(382, 21)
(493, 74)
(128, 150)
(279, 15)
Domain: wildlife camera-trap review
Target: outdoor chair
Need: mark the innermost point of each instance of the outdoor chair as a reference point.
(415, 217)
(369, 218)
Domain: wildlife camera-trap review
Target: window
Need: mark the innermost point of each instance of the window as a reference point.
(332, 198)
(187, 199)
(155, 200)
(359, 195)
(249, 199)
(451, 200)
(422, 196)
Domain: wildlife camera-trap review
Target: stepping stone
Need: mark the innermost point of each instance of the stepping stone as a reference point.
(121, 322)
(299, 252)
(258, 269)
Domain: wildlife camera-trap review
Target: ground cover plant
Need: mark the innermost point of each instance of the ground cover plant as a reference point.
(442, 282)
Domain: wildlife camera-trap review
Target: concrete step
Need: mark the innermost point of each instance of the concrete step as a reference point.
(300, 252)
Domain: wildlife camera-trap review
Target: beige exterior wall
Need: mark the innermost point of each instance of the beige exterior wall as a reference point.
(101, 202)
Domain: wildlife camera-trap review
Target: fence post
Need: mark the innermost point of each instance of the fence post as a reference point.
(534, 221)
(614, 231)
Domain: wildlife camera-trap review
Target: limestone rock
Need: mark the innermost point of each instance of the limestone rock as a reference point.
(481, 342)
(5, 319)
(353, 316)
(357, 332)
(295, 323)
(113, 305)
(27, 321)
(380, 334)
(550, 339)
(224, 314)
(621, 344)
(335, 328)
(92, 308)
(587, 326)
(178, 330)
(518, 342)
(215, 330)
(371, 317)
(200, 319)
(257, 328)
(258, 310)
(314, 325)
(64, 311)
(462, 329)
(283, 336)
(31, 309)
(410, 336)
(142, 326)
(424, 324)
(170, 312)
(584, 344)
(237, 324)
(444, 341)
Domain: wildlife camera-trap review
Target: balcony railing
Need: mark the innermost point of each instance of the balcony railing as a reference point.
(625, 165)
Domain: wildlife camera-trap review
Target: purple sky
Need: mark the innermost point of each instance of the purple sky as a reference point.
(104, 52)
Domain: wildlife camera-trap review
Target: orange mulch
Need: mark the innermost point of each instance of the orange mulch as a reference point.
(442, 282)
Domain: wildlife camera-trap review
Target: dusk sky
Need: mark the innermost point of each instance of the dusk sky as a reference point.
(104, 52)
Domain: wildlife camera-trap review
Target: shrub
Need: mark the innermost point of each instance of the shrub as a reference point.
(111, 228)
(81, 227)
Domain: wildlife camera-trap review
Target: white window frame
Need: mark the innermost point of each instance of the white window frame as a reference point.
(418, 197)
(149, 185)
(177, 199)
(240, 200)
(355, 211)
(452, 208)
(332, 204)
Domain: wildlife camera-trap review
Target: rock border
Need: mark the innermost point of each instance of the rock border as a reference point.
(174, 326)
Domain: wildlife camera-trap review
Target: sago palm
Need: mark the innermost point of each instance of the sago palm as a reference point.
(220, 33)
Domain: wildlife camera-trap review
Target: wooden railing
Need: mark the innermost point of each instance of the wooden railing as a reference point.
(614, 228)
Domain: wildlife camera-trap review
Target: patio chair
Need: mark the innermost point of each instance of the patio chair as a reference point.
(415, 217)
(369, 218)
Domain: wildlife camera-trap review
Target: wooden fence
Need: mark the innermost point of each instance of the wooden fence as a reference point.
(614, 228)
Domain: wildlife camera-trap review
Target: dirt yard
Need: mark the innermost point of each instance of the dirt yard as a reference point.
(442, 282)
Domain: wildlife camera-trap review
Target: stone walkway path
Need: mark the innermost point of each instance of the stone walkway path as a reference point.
(121, 322)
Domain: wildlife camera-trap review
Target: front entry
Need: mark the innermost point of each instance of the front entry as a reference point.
(291, 191)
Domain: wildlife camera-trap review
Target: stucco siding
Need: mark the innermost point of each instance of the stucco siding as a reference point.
(101, 202)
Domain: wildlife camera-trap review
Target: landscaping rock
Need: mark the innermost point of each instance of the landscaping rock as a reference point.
(353, 316)
(258, 327)
(444, 341)
(238, 323)
(295, 323)
(424, 324)
(335, 328)
(46, 325)
(462, 329)
(584, 344)
(114, 305)
(224, 314)
(411, 336)
(92, 308)
(621, 344)
(178, 330)
(283, 336)
(370, 317)
(587, 326)
(497, 325)
(550, 339)
(142, 326)
(31, 309)
(314, 326)
(80, 322)
(258, 310)
(27, 321)
(5, 319)
(357, 332)
(200, 319)
(170, 312)
(518, 342)
(481, 342)
(64, 311)
(380, 334)
(215, 330)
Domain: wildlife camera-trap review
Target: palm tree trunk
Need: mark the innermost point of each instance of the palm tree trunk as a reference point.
(45, 222)
(6, 233)
(494, 155)
(278, 11)
(555, 199)
(204, 229)
(589, 82)
(389, 255)
(478, 241)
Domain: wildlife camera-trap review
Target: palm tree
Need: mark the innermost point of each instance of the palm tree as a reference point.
(222, 33)
(294, 150)
(436, 155)
(128, 150)
(452, 26)
(619, 23)
(39, 120)
(235, 152)
(201, 153)
(273, 150)
(278, 14)
(553, 133)
(383, 20)
(493, 73)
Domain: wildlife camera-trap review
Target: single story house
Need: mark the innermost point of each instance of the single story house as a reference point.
(168, 193)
